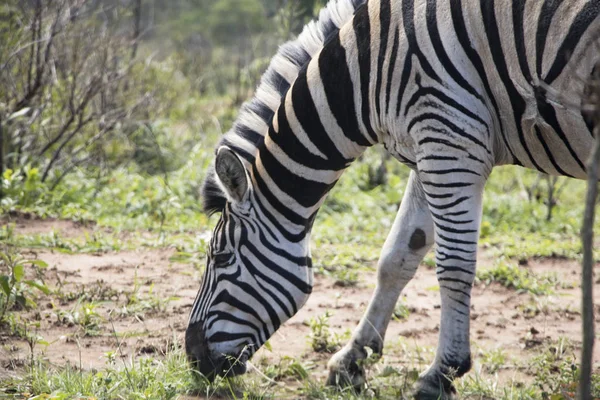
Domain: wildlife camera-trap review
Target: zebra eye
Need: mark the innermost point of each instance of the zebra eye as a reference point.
(223, 258)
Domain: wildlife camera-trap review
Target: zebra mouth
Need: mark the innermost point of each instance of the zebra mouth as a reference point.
(230, 366)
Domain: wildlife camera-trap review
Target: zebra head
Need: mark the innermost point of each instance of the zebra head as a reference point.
(256, 277)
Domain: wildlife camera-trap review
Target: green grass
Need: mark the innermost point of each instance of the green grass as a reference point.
(520, 279)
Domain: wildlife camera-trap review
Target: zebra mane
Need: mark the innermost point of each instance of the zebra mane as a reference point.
(247, 133)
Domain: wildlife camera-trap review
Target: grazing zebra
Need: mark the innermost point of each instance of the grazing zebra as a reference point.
(451, 88)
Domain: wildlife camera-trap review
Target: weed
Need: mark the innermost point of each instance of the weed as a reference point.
(401, 311)
(83, 315)
(138, 305)
(520, 279)
(16, 290)
(493, 360)
(321, 338)
(556, 371)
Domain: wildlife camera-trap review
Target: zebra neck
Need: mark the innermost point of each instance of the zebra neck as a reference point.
(312, 139)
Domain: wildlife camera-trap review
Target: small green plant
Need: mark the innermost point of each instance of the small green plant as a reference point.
(346, 278)
(83, 315)
(401, 311)
(321, 338)
(493, 360)
(17, 291)
(520, 279)
(556, 372)
(137, 304)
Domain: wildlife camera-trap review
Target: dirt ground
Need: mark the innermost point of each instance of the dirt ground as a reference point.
(500, 319)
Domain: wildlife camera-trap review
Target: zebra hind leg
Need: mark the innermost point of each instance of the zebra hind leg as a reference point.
(409, 240)
(455, 201)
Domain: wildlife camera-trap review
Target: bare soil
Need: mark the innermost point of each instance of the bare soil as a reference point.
(501, 318)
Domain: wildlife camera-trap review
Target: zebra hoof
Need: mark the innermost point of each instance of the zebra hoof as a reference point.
(345, 371)
(434, 388)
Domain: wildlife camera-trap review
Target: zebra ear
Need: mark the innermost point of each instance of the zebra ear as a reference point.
(232, 174)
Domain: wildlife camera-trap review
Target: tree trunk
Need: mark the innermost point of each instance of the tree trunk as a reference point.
(587, 278)
(1, 159)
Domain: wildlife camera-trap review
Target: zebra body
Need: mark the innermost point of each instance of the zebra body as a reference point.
(451, 88)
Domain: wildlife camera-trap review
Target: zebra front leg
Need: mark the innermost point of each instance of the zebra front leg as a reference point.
(455, 201)
(409, 240)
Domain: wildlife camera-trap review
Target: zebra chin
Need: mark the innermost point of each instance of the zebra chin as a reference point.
(206, 362)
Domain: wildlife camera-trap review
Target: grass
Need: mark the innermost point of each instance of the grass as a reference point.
(519, 279)
(322, 340)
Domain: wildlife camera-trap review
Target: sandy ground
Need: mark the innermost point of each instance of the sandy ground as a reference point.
(500, 318)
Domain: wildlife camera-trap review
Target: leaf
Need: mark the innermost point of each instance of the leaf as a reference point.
(8, 173)
(5, 285)
(268, 346)
(39, 286)
(18, 272)
(181, 257)
(37, 263)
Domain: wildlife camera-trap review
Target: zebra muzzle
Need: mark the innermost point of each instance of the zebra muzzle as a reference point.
(208, 364)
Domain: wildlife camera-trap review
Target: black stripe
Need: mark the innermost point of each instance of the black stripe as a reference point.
(287, 275)
(438, 47)
(454, 230)
(265, 291)
(277, 81)
(457, 241)
(429, 91)
(449, 171)
(289, 143)
(391, 69)
(447, 185)
(438, 140)
(362, 30)
(453, 269)
(385, 11)
(264, 209)
(225, 297)
(256, 295)
(455, 280)
(518, 9)
(548, 113)
(460, 249)
(450, 125)
(544, 143)
(406, 70)
(221, 336)
(580, 24)
(449, 205)
(546, 16)
(408, 15)
(261, 109)
(305, 191)
(453, 257)
(307, 115)
(224, 316)
(274, 202)
(339, 91)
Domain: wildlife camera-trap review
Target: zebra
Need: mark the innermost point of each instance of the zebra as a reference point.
(450, 88)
